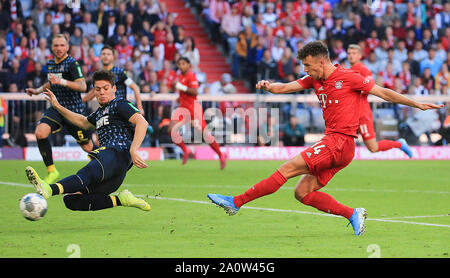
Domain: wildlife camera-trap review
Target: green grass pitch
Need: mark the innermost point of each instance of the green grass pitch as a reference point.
(407, 201)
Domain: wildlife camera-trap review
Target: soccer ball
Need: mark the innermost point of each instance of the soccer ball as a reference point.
(33, 206)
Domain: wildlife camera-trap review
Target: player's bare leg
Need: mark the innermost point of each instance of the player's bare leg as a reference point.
(306, 192)
(177, 139)
(209, 138)
(383, 145)
(372, 145)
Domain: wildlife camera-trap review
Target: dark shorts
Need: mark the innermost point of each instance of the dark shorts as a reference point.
(115, 165)
(57, 122)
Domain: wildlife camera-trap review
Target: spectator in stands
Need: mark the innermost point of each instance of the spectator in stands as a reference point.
(124, 50)
(418, 89)
(442, 81)
(190, 51)
(405, 77)
(222, 86)
(382, 50)
(391, 58)
(400, 51)
(254, 57)
(430, 62)
(17, 75)
(390, 15)
(278, 49)
(267, 69)
(413, 64)
(293, 133)
(427, 39)
(89, 28)
(443, 18)
(108, 27)
(157, 58)
(170, 48)
(428, 81)
(144, 77)
(98, 45)
(269, 17)
(230, 27)
(441, 53)
(287, 65)
(419, 52)
(66, 25)
(388, 76)
(167, 76)
(246, 40)
(318, 31)
(38, 13)
(217, 10)
(373, 64)
(159, 32)
(320, 7)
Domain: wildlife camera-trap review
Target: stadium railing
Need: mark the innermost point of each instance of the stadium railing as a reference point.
(26, 109)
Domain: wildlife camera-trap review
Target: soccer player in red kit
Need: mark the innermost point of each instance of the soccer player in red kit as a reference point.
(366, 128)
(338, 90)
(191, 110)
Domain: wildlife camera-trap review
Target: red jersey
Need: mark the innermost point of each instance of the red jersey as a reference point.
(339, 96)
(365, 109)
(190, 81)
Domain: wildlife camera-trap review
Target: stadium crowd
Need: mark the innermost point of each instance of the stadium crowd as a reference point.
(405, 44)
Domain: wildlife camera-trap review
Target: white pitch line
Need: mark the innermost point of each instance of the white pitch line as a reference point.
(300, 212)
(272, 209)
(291, 188)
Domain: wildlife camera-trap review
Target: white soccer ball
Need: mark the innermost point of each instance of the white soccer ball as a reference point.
(33, 206)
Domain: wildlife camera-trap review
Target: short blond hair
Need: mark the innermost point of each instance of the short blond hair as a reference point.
(355, 46)
(61, 36)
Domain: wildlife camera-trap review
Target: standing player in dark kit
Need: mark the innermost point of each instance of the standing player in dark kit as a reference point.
(122, 79)
(66, 80)
(121, 130)
(366, 128)
(339, 92)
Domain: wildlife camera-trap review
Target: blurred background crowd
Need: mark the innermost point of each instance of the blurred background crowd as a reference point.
(405, 44)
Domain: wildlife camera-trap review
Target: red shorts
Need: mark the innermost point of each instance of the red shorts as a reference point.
(366, 128)
(329, 155)
(192, 113)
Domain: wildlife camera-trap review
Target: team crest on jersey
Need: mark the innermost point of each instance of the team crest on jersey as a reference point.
(105, 111)
(338, 84)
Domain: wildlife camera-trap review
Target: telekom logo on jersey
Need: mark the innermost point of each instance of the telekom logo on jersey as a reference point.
(323, 98)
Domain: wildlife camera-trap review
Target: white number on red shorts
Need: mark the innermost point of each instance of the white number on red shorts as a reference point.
(317, 149)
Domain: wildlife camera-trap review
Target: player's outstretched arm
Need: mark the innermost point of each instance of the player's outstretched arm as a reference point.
(139, 134)
(76, 85)
(75, 118)
(392, 96)
(137, 95)
(33, 91)
(279, 88)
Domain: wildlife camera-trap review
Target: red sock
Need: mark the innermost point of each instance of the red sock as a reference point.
(215, 147)
(324, 202)
(385, 145)
(262, 188)
(176, 137)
